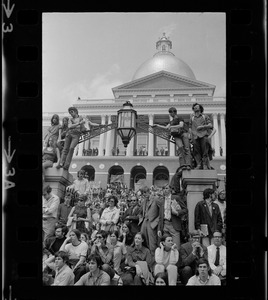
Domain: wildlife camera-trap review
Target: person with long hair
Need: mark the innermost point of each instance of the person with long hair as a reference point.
(166, 257)
(62, 133)
(125, 235)
(161, 278)
(53, 130)
(51, 155)
(80, 214)
(139, 261)
(119, 250)
(77, 252)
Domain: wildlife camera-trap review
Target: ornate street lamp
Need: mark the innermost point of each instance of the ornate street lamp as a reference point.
(126, 122)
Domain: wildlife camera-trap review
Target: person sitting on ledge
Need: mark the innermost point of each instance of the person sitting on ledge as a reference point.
(76, 127)
(51, 155)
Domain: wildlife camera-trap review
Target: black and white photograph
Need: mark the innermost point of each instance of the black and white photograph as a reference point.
(134, 149)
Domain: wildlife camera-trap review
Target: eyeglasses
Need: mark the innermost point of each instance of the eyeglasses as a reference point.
(98, 236)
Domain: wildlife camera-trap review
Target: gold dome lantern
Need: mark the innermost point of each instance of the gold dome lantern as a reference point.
(164, 60)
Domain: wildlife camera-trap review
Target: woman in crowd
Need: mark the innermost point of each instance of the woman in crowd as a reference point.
(166, 257)
(80, 214)
(125, 235)
(53, 130)
(161, 278)
(119, 251)
(77, 252)
(110, 216)
(62, 133)
(96, 276)
(139, 261)
(51, 155)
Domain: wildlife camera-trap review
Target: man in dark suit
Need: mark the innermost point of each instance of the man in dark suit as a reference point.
(189, 254)
(207, 213)
(131, 215)
(172, 209)
(149, 218)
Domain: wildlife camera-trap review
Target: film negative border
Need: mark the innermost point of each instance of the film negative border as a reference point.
(22, 126)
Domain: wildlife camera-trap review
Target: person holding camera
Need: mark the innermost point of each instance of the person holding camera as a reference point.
(166, 257)
(189, 253)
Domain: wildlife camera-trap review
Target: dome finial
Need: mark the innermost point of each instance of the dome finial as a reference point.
(163, 44)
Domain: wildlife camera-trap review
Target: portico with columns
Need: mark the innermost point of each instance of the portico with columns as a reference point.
(159, 83)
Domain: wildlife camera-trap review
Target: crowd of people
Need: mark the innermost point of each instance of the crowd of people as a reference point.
(116, 236)
(119, 236)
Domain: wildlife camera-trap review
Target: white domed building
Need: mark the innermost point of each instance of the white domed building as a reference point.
(159, 83)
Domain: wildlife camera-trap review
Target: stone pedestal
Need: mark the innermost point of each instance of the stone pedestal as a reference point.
(58, 179)
(195, 182)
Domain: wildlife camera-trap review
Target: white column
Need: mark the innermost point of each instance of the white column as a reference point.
(80, 148)
(171, 149)
(86, 144)
(216, 135)
(101, 144)
(151, 137)
(108, 140)
(130, 147)
(223, 134)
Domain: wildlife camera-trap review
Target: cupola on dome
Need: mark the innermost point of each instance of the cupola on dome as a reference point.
(164, 60)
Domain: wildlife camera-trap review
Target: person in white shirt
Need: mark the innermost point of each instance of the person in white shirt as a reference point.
(110, 215)
(166, 257)
(217, 262)
(204, 275)
(80, 185)
(50, 208)
(77, 253)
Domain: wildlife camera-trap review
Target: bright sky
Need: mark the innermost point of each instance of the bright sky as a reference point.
(87, 54)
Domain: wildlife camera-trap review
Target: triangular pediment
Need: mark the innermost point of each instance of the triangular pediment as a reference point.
(163, 80)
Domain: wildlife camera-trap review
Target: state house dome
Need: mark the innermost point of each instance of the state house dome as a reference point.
(165, 60)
